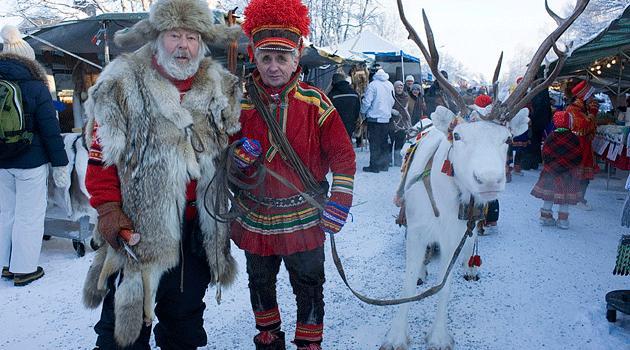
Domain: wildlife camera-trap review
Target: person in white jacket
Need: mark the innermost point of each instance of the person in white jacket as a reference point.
(376, 106)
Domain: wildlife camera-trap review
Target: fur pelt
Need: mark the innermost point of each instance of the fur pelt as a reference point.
(164, 15)
(148, 134)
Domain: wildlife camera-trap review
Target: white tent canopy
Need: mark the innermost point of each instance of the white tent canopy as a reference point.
(368, 42)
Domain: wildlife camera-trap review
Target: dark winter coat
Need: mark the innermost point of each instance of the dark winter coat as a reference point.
(415, 108)
(436, 96)
(347, 103)
(47, 146)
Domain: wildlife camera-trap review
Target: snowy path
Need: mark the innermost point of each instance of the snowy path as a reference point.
(539, 287)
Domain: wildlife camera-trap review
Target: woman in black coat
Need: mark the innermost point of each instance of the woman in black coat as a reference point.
(23, 176)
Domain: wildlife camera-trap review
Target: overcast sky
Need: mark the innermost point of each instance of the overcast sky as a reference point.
(475, 31)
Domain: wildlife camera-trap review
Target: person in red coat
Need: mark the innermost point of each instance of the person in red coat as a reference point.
(583, 110)
(557, 184)
(278, 224)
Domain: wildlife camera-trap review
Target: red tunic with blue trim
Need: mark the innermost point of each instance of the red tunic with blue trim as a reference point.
(315, 131)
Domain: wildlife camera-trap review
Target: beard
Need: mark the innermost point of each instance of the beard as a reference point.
(174, 68)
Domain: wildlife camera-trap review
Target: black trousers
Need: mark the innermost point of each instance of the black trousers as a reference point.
(306, 274)
(179, 314)
(377, 135)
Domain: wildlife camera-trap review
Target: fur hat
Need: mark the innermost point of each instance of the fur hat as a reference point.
(410, 78)
(483, 101)
(13, 43)
(276, 24)
(582, 90)
(193, 15)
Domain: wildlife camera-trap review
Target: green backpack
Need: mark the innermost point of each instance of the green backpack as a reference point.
(14, 136)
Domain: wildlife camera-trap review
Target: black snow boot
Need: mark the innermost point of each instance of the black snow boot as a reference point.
(270, 341)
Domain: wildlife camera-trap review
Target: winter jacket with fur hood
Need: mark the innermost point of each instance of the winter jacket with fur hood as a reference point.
(47, 145)
(158, 145)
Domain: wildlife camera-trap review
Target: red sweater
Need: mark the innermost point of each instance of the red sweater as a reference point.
(102, 182)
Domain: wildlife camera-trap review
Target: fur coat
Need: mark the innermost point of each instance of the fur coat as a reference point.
(158, 144)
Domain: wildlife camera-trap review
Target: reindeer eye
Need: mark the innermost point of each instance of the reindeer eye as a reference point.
(508, 140)
(456, 136)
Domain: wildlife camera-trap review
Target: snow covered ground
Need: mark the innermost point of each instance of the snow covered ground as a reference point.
(539, 288)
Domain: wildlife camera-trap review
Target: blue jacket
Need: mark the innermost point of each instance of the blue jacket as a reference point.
(47, 146)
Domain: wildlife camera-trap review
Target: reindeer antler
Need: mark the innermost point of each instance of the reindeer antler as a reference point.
(495, 78)
(507, 109)
(432, 56)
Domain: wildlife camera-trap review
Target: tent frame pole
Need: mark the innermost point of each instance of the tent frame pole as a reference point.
(65, 51)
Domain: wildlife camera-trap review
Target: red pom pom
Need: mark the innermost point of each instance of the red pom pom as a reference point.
(284, 13)
(483, 101)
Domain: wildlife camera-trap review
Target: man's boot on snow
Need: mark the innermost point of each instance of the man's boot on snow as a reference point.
(269, 340)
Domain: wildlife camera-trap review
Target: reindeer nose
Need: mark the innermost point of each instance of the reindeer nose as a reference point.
(487, 178)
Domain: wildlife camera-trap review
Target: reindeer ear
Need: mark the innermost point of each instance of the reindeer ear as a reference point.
(520, 123)
(442, 117)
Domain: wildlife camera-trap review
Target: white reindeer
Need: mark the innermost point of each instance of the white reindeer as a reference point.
(477, 151)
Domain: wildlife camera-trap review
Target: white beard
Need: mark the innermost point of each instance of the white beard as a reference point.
(175, 69)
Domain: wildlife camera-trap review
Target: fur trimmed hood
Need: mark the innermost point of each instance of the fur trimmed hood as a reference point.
(36, 70)
(165, 15)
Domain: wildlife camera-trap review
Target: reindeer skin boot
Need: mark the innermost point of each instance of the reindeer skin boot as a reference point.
(546, 217)
(563, 220)
(267, 340)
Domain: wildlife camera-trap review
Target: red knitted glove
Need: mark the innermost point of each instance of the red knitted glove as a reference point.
(246, 153)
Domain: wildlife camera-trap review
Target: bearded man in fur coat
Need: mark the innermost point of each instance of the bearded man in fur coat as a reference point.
(161, 116)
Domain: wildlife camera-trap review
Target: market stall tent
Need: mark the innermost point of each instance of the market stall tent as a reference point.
(384, 51)
(603, 58)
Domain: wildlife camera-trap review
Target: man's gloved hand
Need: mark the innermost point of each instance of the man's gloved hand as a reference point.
(247, 153)
(333, 217)
(60, 176)
(111, 220)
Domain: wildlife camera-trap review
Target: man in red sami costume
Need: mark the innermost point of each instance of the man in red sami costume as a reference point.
(282, 225)
(583, 110)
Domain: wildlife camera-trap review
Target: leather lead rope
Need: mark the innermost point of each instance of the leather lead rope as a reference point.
(470, 225)
(280, 139)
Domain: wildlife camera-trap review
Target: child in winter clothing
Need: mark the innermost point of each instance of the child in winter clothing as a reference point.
(558, 183)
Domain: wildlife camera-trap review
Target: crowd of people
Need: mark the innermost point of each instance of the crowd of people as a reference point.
(161, 116)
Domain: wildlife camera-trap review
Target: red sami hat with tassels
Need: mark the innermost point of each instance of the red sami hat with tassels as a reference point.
(276, 24)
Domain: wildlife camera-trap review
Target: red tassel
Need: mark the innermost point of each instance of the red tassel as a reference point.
(474, 260)
(447, 167)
